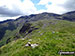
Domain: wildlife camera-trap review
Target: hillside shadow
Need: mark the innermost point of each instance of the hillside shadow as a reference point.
(11, 27)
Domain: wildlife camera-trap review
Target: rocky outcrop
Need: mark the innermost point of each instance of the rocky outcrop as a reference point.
(27, 28)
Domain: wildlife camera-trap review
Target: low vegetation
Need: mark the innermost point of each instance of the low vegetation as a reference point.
(52, 36)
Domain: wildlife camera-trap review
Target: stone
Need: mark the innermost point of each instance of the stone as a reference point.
(30, 39)
(53, 32)
(39, 31)
(31, 45)
(41, 34)
(34, 45)
(22, 39)
(26, 45)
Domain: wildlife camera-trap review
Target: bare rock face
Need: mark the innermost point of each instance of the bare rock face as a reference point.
(27, 28)
(8, 40)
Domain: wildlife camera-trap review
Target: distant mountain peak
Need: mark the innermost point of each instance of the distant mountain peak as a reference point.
(70, 12)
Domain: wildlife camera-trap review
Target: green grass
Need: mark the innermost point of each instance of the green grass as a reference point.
(50, 43)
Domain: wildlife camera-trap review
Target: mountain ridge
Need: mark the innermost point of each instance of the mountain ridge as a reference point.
(13, 26)
(32, 15)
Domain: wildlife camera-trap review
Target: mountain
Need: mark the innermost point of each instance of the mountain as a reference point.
(51, 31)
(51, 36)
(69, 16)
(13, 25)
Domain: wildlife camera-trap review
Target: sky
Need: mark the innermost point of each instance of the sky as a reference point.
(12, 9)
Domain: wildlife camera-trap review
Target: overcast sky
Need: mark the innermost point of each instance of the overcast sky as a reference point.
(11, 9)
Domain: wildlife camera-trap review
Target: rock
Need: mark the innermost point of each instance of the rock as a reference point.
(31, 45)
(41, 34)
(22, 39)
(26, 45)
(8, 40)
(30, 39)
(39, 31)
(34, 45)
(53, 32)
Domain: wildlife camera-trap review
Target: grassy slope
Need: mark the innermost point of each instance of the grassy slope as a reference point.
(49, 42)
(8, 33)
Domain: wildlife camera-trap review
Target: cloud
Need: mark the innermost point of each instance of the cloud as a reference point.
(69, 5)
(11, 8)
(58, 6)
(7, 12)
(16, 7)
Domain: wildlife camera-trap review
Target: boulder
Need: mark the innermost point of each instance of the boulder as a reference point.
(31, 45)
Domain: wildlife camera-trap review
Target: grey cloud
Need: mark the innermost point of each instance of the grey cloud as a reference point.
(69, 5)
(4, 11)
